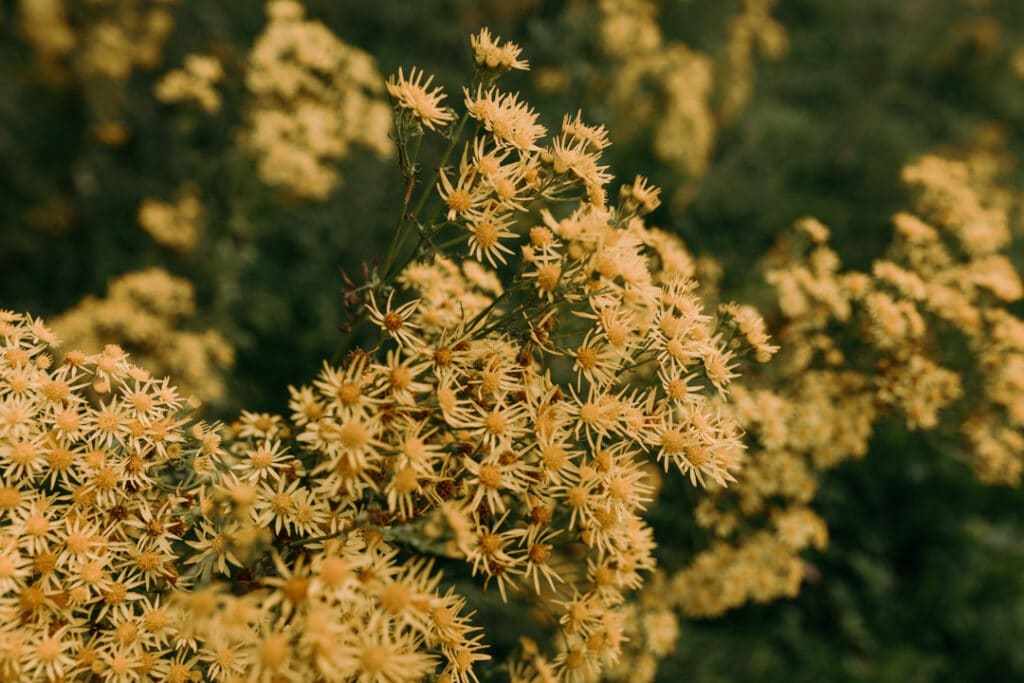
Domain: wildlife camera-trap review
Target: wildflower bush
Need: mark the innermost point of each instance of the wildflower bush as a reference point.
(520, 433)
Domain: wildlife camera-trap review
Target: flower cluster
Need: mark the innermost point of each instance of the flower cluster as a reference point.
(327, 596)
(195, 82)
(516, 422)
(750, 32)
(144, 312)
(415, 96)
(928, 328)
(312, 97)
(676, 95)
(529, 366)
(175, 225)
(97, 46)
(509, 425)
(87, 533)
(107, 41)
(678, 111)
(116, 510)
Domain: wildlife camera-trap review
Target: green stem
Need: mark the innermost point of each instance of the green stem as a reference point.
(506, 317)
(387, 273)
(425, 236)
(461, 239)
(346, 341)
(636, 364)
(407, 163)
(428, 191)
(315, 539)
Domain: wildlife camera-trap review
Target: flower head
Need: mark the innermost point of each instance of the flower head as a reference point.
(489, 53)
(414, 94)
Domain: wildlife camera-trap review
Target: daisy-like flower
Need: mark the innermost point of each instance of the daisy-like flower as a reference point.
(641, 196)
(152, 529)
(107, 424)
(347, 391)
(718, 366)
(582, 614)
(119, 590)
(486, 232)
(290, 588)
(15, 566)
(509, 189)
(414, 94)
(50, 654)
(595, 137)
(19, 413)
(305, 404)
(352, 451)
(403, 485)
(462, 652)
(513, 123)
(487, 554)
(596, 415)
(618, 326)
(260, 425)
(677, 386)
(407, 595)
(463, 198)
(151, 562)
(489, 53)
(275, 507)
(569, 154)
(489, 164)
(309, 513)
(22, 460)
(694, 453)
(36, 525)
(212, 548)
(395, 322)
(401, 378)
(537, 543)
(273, 658)
(556, 460)
(417, 449)
(377, 651)
(498, 377)
(580, 494)
(225, 657)
(261, 462)
(502, 471)
(502, 423)
(595, 362)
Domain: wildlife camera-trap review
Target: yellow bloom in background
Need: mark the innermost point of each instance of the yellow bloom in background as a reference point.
(145, 311)
(195, 82)
(95, 48)
(177, 225)
(312, 97)
(857, 346)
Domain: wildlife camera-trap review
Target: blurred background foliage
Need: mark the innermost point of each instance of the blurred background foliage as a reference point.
(922, 580)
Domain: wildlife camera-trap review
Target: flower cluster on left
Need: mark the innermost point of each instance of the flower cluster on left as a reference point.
(115, 510)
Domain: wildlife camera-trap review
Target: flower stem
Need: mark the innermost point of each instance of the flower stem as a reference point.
(407, 162)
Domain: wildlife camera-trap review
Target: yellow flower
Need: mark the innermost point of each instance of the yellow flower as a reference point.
(490, 54)
(415, 95)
